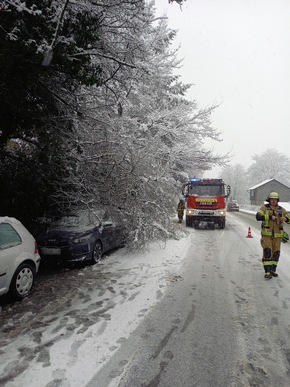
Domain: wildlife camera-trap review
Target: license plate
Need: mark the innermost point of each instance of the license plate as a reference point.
(50, 251)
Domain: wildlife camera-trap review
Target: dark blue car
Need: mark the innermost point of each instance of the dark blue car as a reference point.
(80, 238)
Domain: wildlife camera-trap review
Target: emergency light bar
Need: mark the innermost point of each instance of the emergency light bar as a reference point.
(206, 181)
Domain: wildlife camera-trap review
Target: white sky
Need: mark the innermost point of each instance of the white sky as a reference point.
(237, 53)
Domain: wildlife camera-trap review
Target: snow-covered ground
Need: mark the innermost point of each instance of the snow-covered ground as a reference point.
(67, 331)
(76, 333)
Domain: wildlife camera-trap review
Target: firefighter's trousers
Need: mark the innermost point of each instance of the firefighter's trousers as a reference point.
(180, 214)
(271, 252)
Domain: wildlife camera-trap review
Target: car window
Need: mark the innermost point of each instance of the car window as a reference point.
(8, 236)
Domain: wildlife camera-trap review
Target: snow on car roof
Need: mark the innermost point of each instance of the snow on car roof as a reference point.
(8, 219)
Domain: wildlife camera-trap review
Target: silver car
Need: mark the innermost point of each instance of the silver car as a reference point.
(19, 258)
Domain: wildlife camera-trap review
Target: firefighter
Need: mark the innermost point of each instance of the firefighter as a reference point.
(272, 216)
(180, 210)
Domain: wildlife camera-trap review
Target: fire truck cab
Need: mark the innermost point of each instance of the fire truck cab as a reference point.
(205, 202)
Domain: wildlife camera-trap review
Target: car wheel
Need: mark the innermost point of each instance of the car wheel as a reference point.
(22, 281)
(97, 253)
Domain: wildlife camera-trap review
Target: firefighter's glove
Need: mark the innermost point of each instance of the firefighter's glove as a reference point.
(281, 218)
(285, 237)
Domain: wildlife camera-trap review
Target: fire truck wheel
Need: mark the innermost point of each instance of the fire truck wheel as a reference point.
(188, 222)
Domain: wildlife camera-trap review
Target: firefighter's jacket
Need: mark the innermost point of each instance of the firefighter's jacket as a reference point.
(273, 228)
(181, 206)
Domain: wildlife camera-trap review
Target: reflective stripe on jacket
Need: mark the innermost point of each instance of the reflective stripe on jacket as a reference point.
(270, 227)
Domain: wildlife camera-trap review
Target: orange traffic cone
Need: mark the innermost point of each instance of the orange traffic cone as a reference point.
(249, 233)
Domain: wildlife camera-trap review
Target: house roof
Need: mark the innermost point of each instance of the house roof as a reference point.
(265, 182)
(262, 183)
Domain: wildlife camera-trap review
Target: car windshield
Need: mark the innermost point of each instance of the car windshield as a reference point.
(81, 220)
(73, 220)
(209, 190)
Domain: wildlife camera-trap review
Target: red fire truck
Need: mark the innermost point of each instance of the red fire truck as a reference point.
(206, 202)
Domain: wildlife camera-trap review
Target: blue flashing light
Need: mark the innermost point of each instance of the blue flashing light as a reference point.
(205, 181)
(194, 179)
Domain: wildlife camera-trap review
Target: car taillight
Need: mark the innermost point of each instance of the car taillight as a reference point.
(35, 248)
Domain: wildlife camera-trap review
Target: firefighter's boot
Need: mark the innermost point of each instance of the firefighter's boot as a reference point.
(268, 275)
(273, 272)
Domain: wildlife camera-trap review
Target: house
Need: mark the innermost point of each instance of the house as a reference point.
(260, 192)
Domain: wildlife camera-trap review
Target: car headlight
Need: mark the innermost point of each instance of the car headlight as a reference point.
(82, 239)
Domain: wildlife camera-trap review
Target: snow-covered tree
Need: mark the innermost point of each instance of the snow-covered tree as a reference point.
(107, 120)
(236, 176)
(138, 134)
(268, 165)
(37, 99)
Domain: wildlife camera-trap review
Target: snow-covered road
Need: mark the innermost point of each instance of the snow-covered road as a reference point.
(196, 312)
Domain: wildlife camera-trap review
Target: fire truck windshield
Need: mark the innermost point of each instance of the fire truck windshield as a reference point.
(206, 190)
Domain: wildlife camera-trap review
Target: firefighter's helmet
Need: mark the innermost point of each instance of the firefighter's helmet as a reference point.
(273, 195)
